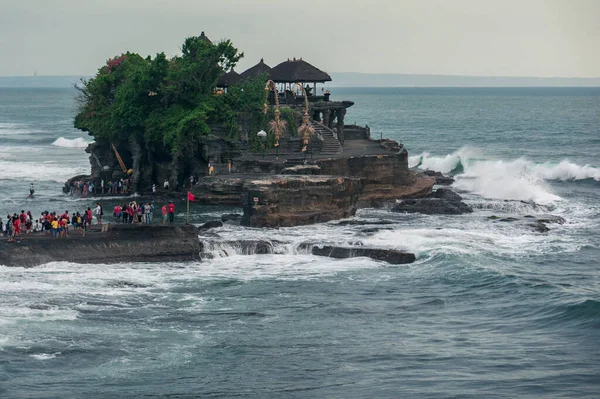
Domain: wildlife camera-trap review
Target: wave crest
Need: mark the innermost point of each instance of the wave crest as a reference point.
(70, 143)
(518, 179)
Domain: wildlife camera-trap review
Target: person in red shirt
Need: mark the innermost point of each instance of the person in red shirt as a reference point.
(17, 226)
(88, 213)
(164, 214)
(171, 209)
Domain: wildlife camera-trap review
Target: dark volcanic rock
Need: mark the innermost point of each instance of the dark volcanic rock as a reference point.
(439, 177)
(440, 202)
(230, 216)
(539, 227)
(282, 201)
(364, 222)
(387, 255)
(122, 243)
(211, 225)
(235, 247)
(550, 219)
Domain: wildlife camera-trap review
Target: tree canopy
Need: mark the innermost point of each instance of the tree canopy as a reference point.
(164, 102)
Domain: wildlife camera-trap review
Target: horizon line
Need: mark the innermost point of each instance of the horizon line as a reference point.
(361, 73)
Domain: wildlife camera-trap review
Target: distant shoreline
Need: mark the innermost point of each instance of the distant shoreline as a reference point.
(359, 80)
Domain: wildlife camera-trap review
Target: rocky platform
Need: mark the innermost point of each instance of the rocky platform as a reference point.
(327, 190)
(122, 243)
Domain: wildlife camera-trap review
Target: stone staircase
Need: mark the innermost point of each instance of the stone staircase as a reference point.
(331, 144)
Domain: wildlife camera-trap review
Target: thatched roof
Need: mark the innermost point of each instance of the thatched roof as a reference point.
(203, 37)
(298, 71)
(229, 79)
(256, 70)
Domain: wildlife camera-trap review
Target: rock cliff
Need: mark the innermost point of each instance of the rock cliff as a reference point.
(283, 201)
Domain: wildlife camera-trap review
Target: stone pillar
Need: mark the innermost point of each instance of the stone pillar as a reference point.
(340, 124)
(317, 116)
(326, 117)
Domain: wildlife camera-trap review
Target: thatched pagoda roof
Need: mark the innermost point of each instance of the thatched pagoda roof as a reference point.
(229, 79)
(206, 39)
(298, 71)
(258, 69)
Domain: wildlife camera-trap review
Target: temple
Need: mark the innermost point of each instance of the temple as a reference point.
(309, 167)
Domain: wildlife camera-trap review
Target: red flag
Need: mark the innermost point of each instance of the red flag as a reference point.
(191, 197)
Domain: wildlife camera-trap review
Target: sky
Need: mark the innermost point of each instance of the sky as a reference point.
(537, 38)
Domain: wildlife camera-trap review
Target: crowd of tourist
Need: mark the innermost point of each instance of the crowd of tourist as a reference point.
(84, 188)
(59, 225)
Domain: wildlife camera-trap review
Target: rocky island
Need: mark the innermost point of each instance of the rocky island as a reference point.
(264, 140)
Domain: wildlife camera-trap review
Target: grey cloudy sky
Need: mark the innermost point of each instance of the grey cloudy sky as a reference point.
(461, 37)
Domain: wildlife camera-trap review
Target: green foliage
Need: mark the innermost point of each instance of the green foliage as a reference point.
(166, 103)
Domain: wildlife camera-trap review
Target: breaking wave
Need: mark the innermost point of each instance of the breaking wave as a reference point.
(519, 179)
(39, 171)
(70, 143)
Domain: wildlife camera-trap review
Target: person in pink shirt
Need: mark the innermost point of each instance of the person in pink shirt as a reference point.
(164, 214)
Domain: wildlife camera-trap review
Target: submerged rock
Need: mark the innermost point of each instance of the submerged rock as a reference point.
(392, 256)
(230, 216)
(539, 227)
(210, 225)
(363, 222)
(208, 248)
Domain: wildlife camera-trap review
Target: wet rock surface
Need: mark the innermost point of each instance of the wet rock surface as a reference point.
(210, 225)
(441, 202)
(440, 179)
(536, 223)
(227, 217)
(391, 256)
(121, 243)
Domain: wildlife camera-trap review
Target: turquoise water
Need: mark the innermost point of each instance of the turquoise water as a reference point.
(490, 309)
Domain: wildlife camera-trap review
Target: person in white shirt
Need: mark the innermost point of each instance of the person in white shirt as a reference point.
(98, 212)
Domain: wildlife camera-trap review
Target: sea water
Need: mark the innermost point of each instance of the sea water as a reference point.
(489, 309)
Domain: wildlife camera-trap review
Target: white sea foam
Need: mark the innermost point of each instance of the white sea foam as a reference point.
(79, 142)
(518, 179)
(10, 129)
(39, 171)
(448, 163)
(44, 356)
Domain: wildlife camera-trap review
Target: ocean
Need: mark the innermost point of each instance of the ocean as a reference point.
(490, 309)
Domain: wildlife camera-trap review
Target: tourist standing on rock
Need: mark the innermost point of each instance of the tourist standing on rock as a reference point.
(171, 209)
(154, 187)
(164, 214)
(166, 184)
(147, 212)
(89, 217)
(31, 190)
(99, 212)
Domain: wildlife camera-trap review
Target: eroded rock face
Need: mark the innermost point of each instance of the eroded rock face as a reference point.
(219, 191)
(441, 202)
(387, 177)
(283, 201)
